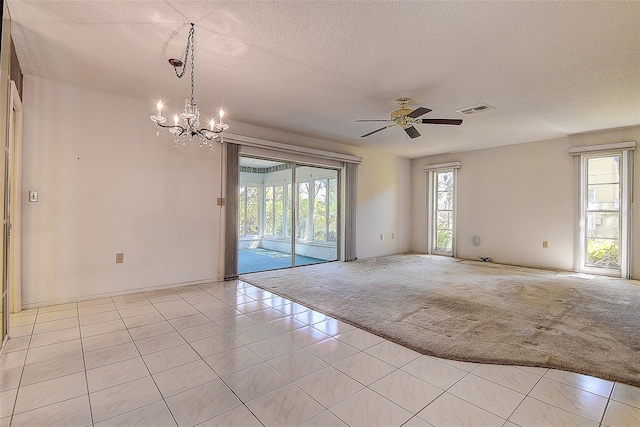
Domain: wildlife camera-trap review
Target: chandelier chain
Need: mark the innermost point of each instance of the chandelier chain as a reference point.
(193, 63)
(186, 53)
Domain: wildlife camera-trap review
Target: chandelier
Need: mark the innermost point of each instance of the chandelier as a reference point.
(186, 126)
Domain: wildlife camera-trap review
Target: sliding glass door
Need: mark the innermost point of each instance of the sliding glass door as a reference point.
(264, 223)
(287, 215)
(317, 215)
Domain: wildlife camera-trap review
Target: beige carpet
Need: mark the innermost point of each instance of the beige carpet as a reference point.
(480, 312)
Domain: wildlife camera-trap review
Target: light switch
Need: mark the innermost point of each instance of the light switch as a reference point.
(33, 196)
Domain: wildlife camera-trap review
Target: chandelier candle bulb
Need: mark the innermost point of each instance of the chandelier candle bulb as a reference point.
(211, 123)
(176, 119)
(159, 106)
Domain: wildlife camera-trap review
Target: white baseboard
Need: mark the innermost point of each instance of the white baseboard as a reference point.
(113, 294)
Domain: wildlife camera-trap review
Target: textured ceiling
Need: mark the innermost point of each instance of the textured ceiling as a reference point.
(549, 68)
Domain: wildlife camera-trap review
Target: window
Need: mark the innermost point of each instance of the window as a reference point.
(248, 210)
(287, 210)
(441, 201)
(603, 242)
(278, 210)
(273, 210)
(268, 212)
(265, 209)
(304, 212)
(332, 211)
(325, 211)
(443, 212)
(318, 210)
(602, 211)
(320, 206)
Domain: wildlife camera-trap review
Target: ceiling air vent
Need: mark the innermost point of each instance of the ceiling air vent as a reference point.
(474, 109)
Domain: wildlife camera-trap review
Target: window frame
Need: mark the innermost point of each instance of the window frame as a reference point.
(624, 236)
(437, 211)
(432, 202)
(626, 151)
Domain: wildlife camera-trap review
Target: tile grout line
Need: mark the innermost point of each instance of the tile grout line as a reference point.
(242, 403)
(365, 387)
(84, 363)
(22, 374)
(201, 358)
(132, 340)
(606, 406)
(267, 362)
(578, 388)
(164, 400)
(525, 397)
(24, 364)
(363, 350)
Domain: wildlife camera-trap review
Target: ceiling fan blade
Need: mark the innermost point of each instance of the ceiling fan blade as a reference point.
(418, 112)
(373, 120)
(377, 130)
(441, 121)
(412, 132)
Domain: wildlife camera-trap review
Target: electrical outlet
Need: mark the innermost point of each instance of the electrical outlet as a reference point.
(381, 237)
(33, 196)
(393, 236)
(545, 244)
(221, 201)
(119, 258)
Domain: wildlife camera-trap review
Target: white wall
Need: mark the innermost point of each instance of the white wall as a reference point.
(384, 201)
(107, 184)
(514, 197)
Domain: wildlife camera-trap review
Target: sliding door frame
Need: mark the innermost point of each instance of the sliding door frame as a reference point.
(291, 203)
(344, 163)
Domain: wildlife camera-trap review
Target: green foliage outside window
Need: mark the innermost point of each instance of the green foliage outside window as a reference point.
(603, 253)
(320, 207)
(303, 210)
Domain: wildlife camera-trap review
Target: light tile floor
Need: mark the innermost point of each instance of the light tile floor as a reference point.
(233, 354)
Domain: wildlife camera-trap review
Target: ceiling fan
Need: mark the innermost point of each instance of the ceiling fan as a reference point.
(406, 118)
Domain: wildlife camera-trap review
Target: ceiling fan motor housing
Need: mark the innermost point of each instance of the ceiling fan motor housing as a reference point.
(399, 116)
(400, 113)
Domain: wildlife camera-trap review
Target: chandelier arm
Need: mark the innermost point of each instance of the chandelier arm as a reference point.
(182, 130)
(169, 126)
(209, 130)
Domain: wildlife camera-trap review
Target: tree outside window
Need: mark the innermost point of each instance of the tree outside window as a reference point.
(249, 210)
